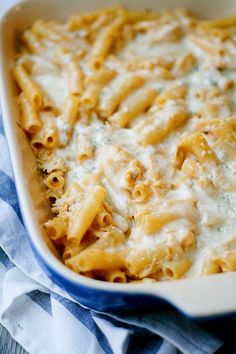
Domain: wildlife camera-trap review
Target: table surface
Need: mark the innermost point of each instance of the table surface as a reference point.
(8, 345)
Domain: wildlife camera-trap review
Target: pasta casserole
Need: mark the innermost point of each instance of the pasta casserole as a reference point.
(132, 119)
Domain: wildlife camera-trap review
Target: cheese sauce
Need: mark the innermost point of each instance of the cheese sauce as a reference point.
(210, 80)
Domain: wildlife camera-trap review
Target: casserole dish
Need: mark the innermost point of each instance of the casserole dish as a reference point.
(201, 297)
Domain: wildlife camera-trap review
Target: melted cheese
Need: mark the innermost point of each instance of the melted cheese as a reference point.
(216, 213)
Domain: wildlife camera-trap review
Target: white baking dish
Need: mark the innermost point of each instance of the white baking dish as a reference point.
(202, 297)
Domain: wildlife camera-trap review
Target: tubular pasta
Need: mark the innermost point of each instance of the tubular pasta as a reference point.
(68, 117)
(30, 120)
(75, 78)
(104, 42)
(103, 218)
(151, 223)
(28, 86)
(172, 93)
(55, 181)
(184, 64)
(84, 214)
(115, 276)
(86, 149)
(132, 107)
(206, 46)
(76, 22)
(146, 262)
(92, 259)
(141, 192)
(56, 228)
(121, 91)
(227, 263)
(197, 145)
(94, 85)
(46, 30)
(177, 268)
(32, 42)
(158, 131)
(47, 136)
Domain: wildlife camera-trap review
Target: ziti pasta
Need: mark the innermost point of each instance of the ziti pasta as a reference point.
(132, 119)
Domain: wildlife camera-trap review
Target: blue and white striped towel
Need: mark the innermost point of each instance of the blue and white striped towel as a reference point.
(43, 318)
